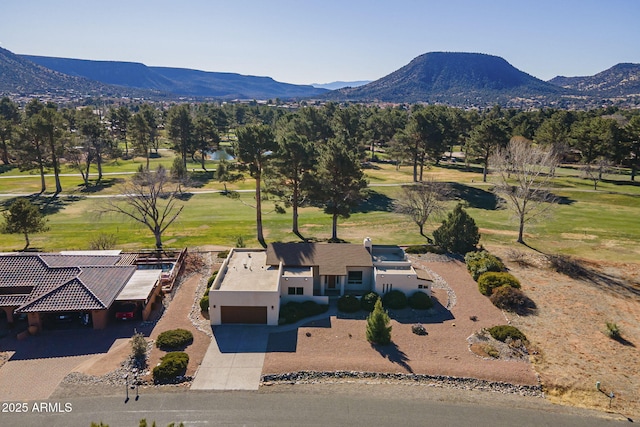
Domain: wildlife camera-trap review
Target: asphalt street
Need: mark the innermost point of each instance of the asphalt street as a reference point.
(248, 408)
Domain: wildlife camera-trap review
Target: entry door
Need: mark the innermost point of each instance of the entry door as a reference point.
(331, 282)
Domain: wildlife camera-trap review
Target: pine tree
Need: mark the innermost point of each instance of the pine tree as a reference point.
(458, 233)
(23, 217)
(378, 328)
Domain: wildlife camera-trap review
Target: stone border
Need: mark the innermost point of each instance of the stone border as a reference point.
(314, 377)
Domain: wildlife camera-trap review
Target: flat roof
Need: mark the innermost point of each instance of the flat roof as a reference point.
(111, 252)
(297, 272)
(140, 285)
(396, 270)
(247, 271)
(382, 253)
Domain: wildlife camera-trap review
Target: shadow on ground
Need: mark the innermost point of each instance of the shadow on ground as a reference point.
(394, 354)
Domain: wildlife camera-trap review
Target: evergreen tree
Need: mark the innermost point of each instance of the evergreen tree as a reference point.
(378, 328)
(458, 233)
(23, 217)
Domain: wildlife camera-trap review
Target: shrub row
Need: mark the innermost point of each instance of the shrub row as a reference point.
(174, 339)
(395, 299)
(292, 311)
(425, 249)
(171, 365)
(204, 301)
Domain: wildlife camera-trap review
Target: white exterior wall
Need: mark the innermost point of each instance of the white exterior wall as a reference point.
(367, 280)
(219, 298)
(406, 282)
(296, 282)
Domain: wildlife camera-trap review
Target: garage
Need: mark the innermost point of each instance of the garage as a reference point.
(243, 314)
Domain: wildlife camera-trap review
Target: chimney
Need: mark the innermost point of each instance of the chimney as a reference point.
(367, 244)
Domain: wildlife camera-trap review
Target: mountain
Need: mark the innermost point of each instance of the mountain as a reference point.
(463, 79)
(619, 80)
(340, 84)
(178, 81)
(21, 77)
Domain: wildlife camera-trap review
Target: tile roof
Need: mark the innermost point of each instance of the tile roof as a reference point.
(61, 282)
(330, 258)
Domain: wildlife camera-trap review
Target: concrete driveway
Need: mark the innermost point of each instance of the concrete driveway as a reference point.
(234, 358)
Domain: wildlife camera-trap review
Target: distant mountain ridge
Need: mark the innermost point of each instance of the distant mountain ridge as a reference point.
(340, 84)
(455, 78)
(179, 81)
(620, 80)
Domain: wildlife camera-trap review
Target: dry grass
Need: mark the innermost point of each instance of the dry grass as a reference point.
(569, 328)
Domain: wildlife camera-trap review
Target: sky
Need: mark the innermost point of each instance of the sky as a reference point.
(321, 41)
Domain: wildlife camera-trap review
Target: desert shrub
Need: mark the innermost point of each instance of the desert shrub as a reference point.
(171, 365)
(175, 338)
(491, 351)
(395, 300)
(481, 262)
(211, 279)
(293, 311)
(511, 299)
(420, 301)
(204, 302)
(348, 304)
(491, 280)
(418, 329)
(368, 301)
(502, 332)
(139, 348)
(613, 331)
(424, 249)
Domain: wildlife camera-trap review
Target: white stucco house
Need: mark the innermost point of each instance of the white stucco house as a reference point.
(252, 283)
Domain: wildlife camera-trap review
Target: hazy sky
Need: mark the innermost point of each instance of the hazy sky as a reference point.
(319, 41)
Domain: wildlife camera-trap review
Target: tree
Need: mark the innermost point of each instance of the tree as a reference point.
(9, 119)
(422, 201)
(140, 131)
(49, 124)
(23, 217)
(119, 119)
(458, 232)
(594, 136)
(485, 138)
(180, 130)
(147, 200)
(339, 181)
(378, 327)
(293, 164)
(96, 141)
(256, 143)
(593, 171)
(524, 173)
(206, 137)
(633, 136)
(31, 149)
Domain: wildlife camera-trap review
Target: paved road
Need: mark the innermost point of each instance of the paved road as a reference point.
(287, 408)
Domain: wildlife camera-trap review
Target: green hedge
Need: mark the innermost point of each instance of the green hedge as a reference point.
(368, 301)
(172, 365)
(174, 339)
(424, 249)
(491, 280)
(204, 302)
(395, 300)
(292, 311)
(482, 261)
(420, 301)
(348, 304)
(502, 332)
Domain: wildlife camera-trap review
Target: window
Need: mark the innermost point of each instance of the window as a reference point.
(354, 278)
(299, 291)
(295, 291)
(291, 290)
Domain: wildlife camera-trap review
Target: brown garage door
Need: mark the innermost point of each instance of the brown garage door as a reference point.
(240, 314)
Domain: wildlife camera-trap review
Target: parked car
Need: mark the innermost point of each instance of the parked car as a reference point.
(65, 317)
(126, 311)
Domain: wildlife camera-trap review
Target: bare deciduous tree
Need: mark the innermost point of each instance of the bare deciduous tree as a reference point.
(523, 173)
(422, 201)
(147, 200)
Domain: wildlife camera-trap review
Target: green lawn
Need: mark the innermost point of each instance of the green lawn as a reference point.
(600, 225)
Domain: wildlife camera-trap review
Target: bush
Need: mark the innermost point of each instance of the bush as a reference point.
(378, 328)
(292, 311)
(204, 303)
(223, 254)
(424, 249)
(175, 338)
(420, 301)
(613, 331)
(491, 280)
(458, 233)
(171, 365)
(348, 304)
(211, 279)
(395, 300)
(139, 348)
(481, 262)
(368, 301)
(502, 332)
(511, 299)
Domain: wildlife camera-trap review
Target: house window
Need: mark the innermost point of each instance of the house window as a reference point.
(354, 278)
(299, 291)
(419, 286)
(291, 290)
